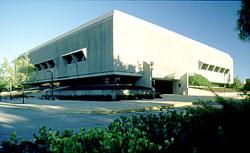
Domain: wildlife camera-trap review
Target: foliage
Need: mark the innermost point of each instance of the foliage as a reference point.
(243, 22)
(203, 129)
(7, 75)
(14, 75)
(24, 69)
(237, 85)
(247, 85)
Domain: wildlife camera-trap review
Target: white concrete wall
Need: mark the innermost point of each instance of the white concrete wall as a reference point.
(173, 55)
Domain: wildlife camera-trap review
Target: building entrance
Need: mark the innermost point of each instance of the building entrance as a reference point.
(163, 86)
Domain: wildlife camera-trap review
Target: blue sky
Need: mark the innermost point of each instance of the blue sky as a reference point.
(26, 24)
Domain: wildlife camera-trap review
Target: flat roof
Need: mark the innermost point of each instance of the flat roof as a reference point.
(119, 13)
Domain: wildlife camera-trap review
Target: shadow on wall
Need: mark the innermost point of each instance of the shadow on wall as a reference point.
(123, 67)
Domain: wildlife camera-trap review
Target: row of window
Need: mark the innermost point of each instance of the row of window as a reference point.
(76, 56)
(69, 58)
(45, 65)
(213, 68)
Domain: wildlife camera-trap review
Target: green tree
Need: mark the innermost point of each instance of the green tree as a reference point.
(247, 85)
(24, 70)
(7, 74)
(3, 82)
(14, 75)
(243, 22)
(237, 85)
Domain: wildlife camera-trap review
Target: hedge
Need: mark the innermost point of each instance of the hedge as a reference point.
(200, 129)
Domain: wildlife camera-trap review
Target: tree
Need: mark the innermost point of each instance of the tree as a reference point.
(247, 85)
(237, 85)
(7, 74)
(3, 82)
(24, 70)
(243, 22)
(14, 75)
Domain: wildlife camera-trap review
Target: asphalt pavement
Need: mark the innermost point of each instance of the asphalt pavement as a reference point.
(26, 119)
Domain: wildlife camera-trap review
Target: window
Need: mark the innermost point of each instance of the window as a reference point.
(79, 56)
(211, 67)
(68, 59)
(226, 72)
(222, 70)
(38, 67)
(204, 66)
(75, 56)
(51, 63)
(44, 65)
(217, 68)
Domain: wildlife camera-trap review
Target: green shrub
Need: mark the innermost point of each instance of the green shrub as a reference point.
(202, 129)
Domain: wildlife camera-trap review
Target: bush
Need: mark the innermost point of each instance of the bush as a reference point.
(201, 129)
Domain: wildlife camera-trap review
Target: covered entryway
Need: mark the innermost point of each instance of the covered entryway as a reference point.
(163, 86)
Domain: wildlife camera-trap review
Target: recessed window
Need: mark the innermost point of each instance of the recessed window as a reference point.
(44, 65)
(79, 56)
(217, 68)
(211, 67)
(226, 72)
(68, 59)
(38, 67)
(51, 63)
(204, 66)
(222, 70)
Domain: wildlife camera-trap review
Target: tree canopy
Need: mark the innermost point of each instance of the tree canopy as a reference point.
(16, 73)
(243, 22)
(237, 85)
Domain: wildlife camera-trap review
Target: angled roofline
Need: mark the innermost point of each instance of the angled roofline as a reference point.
(89, 23)
(117, 12)
(174, 34)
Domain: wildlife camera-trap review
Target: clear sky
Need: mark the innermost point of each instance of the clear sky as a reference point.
(26, 24)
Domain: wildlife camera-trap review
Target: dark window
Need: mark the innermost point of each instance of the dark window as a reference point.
(179, 85)
(79, 56)
(211, 67)
(38, 67)
(51, 64)
(217, 68)
(226, 72)
(68, 59)
(44, 65)
(204, 66)
(222, 70)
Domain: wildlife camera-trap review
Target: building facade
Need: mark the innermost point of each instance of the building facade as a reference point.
(117, 49)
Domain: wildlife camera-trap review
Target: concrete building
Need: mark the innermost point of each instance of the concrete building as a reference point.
(117, 49)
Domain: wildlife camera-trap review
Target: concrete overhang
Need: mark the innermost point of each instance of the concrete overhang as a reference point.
(138, 75)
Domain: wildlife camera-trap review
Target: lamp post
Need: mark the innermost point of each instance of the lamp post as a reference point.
(51, 83)
(10, 88)
(23, 93)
